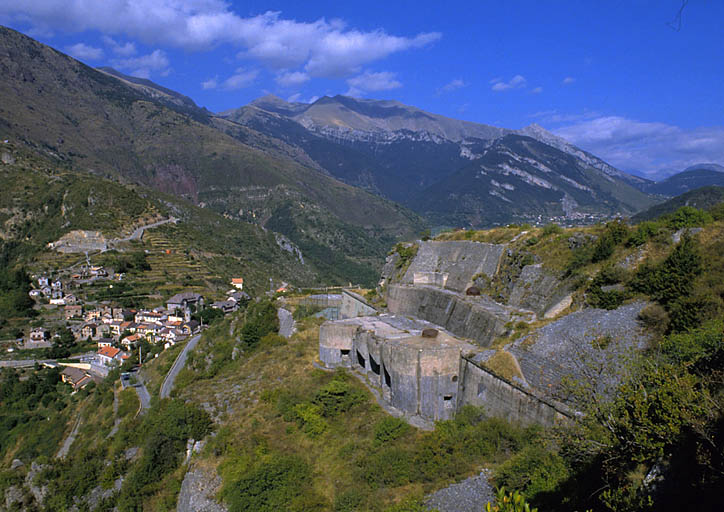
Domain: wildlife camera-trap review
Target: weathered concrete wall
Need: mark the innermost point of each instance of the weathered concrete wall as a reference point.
(353, 306)
(477, 318)
(335, 337)
(537, 290)
(503, 399)
(460, 260)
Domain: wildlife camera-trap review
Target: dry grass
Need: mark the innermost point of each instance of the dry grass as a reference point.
(504, 364)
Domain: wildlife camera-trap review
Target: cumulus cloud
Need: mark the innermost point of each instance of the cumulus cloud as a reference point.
(240, 79)
(568, 80)
(646, 148)
(292, 78)
(458, 83)
(211, 83)
(499, 85)
(84, 52)
(122, 50)
(144, 66)
(369, 81)
(322, 48)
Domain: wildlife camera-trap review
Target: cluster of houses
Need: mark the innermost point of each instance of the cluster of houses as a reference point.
(57, 292)
(118, 330)
(111, 326)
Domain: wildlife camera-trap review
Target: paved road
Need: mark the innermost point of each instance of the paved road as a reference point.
(286, 323)
(178, 364)
(143, 395)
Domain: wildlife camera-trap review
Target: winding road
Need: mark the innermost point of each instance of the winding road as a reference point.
(178, 364)
(138, 233)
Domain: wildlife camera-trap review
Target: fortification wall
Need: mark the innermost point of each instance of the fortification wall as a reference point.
(537, 290)
(458, 261)
(503, 399)
(476, 318)
(353, 306)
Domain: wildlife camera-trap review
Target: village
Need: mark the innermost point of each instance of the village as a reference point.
(111, 335)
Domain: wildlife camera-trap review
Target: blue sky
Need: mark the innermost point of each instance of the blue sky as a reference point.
(622, 79)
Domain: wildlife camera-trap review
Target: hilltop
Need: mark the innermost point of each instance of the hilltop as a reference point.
(135, 133)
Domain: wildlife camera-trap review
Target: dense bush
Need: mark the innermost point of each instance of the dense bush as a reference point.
(275, 483)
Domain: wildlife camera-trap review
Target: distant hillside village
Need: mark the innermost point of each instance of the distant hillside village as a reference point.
(114, 331)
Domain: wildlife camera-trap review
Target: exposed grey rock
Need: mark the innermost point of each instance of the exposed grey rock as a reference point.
(676, 237)
(17, 463)
(130, 452)
(470, 495)
(198, 490)
(580, 239)
(13, 495)
(38, 492)
(7, 158)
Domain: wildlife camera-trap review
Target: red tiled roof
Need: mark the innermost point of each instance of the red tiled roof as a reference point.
(109, 351)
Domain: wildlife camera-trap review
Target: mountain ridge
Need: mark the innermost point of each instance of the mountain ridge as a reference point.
(399, 151)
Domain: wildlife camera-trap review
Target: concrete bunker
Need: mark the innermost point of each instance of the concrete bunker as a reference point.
(417, 373)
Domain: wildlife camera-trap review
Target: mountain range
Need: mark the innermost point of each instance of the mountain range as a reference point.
(341, 178)
(452, 172)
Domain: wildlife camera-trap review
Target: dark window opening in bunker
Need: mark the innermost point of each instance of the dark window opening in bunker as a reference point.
(344, 353)
(373, 364)
(481, 390)
(388, 379)
(361, 360)
(454, 378)
(447, 400)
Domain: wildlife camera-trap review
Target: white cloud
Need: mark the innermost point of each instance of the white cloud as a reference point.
(144, 66)
(322, 48)
(292, 78)
(568, 80)
(122, 50)
(369, 81)
(84, 52)
(240, 79)
(517, 82)
(537, 90)
(211, 83)
(458, 83)
(297, 98)
(646, 148)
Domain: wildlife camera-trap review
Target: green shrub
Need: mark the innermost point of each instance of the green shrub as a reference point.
(390, 428)
(338, 396)
(392, 466)
(309, 417)
(552, 229)
(534, 470)
(278, 483)
(509, 502)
